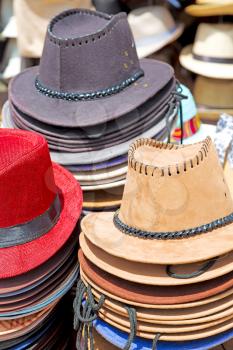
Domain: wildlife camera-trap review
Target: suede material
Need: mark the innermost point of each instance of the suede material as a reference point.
(154, 294)
(64, 58)
(177, 189)
(119, 127)
(34, 178)
(182, 200)
(83, 114)
(185, 316)
(151, 274)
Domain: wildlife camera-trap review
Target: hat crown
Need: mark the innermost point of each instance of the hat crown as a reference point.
(150, 21)
(27, 187)
(87, 51)
(172, 188)
(214, 40)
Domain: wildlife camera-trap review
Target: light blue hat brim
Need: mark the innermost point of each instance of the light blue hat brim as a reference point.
(119, 339)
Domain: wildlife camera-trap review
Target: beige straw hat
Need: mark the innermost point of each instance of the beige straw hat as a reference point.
(153, 28)
(174, 206)
(211, 55)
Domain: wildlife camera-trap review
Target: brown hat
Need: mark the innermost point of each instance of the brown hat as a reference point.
(174, 206)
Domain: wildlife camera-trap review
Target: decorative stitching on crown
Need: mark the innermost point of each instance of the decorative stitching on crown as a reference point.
(150, 170)
(78, 41)
(84, 96)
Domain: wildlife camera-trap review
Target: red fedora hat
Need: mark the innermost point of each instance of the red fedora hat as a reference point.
(40, 203)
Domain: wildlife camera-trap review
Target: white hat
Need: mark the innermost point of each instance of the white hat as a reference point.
(153, 28)
(211, 55)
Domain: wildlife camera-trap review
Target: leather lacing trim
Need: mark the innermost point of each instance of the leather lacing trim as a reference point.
(65, 42)
(150, 170)
(86, 311)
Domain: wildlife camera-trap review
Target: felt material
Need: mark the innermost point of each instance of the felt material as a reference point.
(119, 338)
(214, 41)
(116, 151)
(88, 34)
(179, 186)
(145, 294)
(151, 274)
(26, 155)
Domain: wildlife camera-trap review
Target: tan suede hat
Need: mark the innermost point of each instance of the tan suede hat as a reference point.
(101, 344)
(176, 207)
(151, 274)
(196, 315)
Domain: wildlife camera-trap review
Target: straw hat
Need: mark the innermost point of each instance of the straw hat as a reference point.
(214, 93)
(153, 28)
(48, 201)
(210, 8)
(211, 55)
(175, 186)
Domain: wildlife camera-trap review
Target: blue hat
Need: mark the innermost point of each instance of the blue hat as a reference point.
(119, 339)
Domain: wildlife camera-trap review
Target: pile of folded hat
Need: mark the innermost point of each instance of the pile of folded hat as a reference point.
(90, 97)
(40, 205)
(189, 127)
(211, 58)
(158, 273)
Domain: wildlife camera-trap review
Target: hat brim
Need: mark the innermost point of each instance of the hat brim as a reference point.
(96, 228)
(199, 314)
(156, 43)
(103, 199)
(151, 274)
(103, 155)
(204, 131)
(203, 10)
(119, 339)
(24, 95)
(23, 258)
(141, 294)
(209, 114)
(207, 69)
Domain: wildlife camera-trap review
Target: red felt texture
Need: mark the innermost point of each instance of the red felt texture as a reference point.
(25, 192)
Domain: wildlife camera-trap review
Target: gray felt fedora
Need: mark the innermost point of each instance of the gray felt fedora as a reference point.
(89, 72)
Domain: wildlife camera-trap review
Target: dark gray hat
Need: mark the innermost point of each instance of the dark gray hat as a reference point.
(89, 72)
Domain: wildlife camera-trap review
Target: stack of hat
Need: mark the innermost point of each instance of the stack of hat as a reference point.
(189, 128)
(39, 209)
(159, 271)
(211, 57)
(91, 97)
